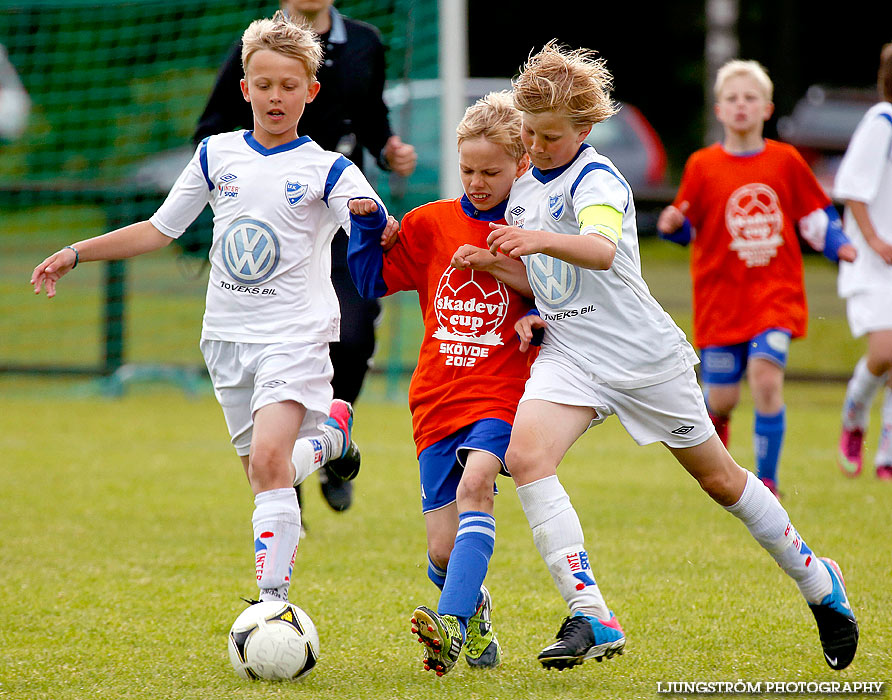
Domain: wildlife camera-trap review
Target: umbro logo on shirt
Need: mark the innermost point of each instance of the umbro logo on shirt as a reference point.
(683, 430)
(517, 211)
(225, 188)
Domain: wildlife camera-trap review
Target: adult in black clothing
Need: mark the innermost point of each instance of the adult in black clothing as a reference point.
(349, 116)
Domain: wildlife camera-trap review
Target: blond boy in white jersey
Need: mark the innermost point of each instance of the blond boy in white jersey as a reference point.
(610, 349)
(271, 311)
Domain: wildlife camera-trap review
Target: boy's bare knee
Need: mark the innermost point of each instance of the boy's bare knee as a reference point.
(474, 488)
(724, 486)
(518, 460)
(439, 550)
(723, 401)
(269, 467)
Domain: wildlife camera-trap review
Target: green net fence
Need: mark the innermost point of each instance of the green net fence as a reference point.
(115, 90)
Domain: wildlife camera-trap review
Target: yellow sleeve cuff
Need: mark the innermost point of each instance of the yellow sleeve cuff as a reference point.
(603, 220)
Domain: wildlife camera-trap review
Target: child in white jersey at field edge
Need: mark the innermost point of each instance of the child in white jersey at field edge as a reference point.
(610, 348)
(864, 183)
(271, 310)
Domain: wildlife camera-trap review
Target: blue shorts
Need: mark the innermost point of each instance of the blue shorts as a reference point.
(441, 464)
(726, 364)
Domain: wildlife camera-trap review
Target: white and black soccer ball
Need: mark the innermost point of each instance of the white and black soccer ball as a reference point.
(274, 641)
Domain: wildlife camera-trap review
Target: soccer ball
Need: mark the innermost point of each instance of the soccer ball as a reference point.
(275, 641)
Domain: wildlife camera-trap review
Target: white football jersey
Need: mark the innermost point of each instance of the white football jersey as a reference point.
(275, 213)
(865, 175)
(607, 321)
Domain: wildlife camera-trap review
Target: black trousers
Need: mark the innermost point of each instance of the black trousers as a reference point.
(351, 356)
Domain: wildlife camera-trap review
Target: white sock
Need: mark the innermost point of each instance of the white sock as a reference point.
(311, 453)
(308, 455)
(884, 451)
(861, 389)
(769, 523)
(276, 536)
(333, 442)
(558, 536)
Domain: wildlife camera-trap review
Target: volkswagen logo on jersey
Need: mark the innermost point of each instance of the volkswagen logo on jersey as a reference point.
(294, 192)
(556, 205)
(250, 251)
(554, 281)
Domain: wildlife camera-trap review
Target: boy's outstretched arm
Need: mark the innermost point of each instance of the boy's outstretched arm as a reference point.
(674, 225)
(126, 242)
(594, 251)
(530, 329)
(822, 230)
(365, 254)
(511, 272)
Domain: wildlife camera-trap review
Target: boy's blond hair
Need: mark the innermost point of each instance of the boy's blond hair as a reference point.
(494, 118)
(284, 36)
(751, 69)
(574, 83)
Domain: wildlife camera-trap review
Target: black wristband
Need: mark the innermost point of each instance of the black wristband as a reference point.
(77, 256)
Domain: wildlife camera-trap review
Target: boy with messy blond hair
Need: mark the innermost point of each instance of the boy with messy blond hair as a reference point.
(271, 310)
(739, 206)
(469, 374)
(609, 348)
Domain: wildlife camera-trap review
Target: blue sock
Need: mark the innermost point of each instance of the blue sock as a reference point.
(468, 565)
(435, 573)
(769, 438)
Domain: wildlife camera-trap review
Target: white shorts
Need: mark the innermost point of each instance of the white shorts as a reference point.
(672, 412)
(869, 311)
(249, 376)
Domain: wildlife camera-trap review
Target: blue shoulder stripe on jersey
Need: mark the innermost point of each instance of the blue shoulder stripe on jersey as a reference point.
(591, 167)
(203, 159)
(887, 117)
(334, 174)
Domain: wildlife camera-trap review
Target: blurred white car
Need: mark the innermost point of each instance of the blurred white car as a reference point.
(627, 138)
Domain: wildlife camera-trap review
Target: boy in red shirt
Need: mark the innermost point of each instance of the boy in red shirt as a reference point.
(470, 373)
(739, 205)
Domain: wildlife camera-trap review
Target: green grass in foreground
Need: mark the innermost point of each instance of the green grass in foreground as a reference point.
(126, 543)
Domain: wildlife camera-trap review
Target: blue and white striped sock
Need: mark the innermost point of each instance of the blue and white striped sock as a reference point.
(768, 436)
(468, 564)
(435, 573)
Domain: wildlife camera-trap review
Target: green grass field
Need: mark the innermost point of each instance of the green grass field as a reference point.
(166, 293)
(126, 543)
